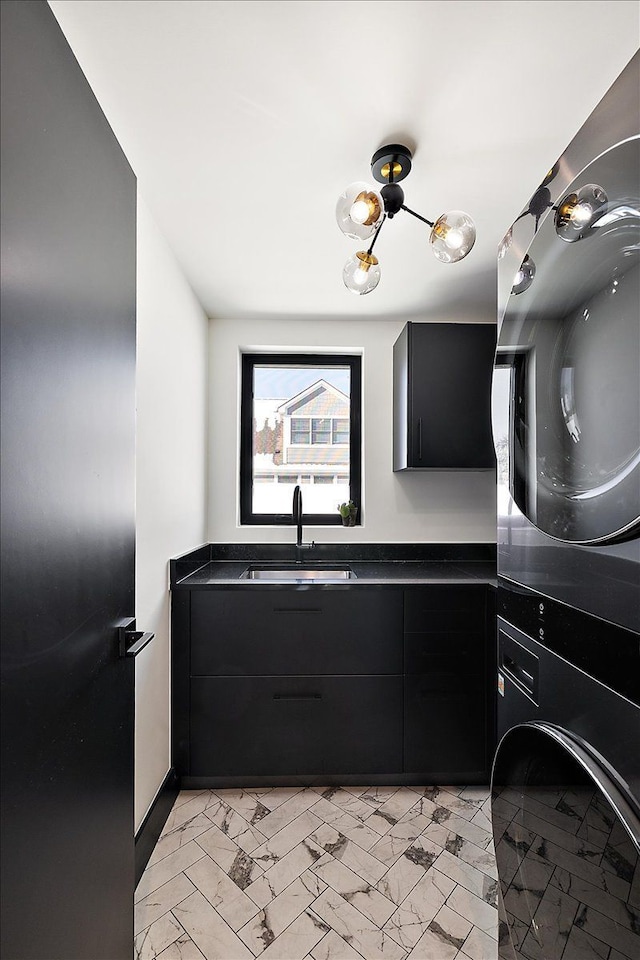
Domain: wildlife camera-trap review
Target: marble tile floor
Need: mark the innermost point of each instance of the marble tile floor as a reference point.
(322, 873)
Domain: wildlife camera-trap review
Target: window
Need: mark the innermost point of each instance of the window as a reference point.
(305, 430)
(340, 432)
(300, 430)
(321, 431)
(300, 424)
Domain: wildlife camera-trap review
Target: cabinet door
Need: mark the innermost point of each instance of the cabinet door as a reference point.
(281, 726)
(452, 608)
(450, 369)
(446, 732)
(363, 725)
(255, 632)
(445, 727)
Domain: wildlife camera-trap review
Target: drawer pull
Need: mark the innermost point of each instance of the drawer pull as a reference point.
(297, 610)
(295, 696)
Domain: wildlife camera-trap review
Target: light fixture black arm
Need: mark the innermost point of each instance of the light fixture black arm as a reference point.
(375, 236)
(417, 215)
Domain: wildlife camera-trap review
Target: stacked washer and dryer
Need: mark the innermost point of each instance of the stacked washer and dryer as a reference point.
(566, 411)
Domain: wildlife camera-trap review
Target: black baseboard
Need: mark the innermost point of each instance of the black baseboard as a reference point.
(151, 826)
(463, 778)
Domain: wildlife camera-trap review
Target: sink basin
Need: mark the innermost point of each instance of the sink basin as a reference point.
(302, 572)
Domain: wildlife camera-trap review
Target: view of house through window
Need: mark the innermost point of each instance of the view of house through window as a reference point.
(301, 422)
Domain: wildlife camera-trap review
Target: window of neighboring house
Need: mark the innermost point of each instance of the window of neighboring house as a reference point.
(300, 424)
(300, 430)
(321, 431)
(305, 430)
(340, 431)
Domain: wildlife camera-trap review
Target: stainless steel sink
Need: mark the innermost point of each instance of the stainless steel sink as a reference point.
(298, 573)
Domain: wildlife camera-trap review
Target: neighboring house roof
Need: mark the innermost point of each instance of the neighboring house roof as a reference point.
(321, 399)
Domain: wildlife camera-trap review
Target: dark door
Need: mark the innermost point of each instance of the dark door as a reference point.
(68, 418)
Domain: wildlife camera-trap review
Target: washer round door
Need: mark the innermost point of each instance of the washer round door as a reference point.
(567, 840)
(571, 334)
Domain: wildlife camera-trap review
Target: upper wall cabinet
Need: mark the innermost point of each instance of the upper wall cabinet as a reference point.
(442, 397)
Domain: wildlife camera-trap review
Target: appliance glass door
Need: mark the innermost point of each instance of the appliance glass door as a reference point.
(571, 339)
(567, 841)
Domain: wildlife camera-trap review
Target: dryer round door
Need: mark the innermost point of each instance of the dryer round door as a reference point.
(571, 334)
(567, 840)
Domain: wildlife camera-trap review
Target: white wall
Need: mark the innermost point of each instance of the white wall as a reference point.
(398, 507)
(171, 450)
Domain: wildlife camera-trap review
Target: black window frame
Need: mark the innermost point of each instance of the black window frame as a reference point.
(322, 360)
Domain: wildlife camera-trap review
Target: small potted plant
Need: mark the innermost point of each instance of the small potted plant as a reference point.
(348, 513)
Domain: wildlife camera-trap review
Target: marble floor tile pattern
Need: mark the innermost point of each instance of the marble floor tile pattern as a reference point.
(322, 873)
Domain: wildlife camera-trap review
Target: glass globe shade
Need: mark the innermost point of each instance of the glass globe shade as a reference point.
(361, 273)
(524, 277)
(577, 212)
(505, 243)
(452, 236)
(359, 210)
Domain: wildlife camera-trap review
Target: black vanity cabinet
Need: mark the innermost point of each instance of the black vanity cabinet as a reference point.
(340, 684)
(448, 657)
(293, 683)
(442, 396)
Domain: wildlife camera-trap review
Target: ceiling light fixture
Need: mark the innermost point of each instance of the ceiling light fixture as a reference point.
(362, 209)
(524, 277)
(578, 211)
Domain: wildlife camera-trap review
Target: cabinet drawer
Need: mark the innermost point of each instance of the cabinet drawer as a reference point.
(457, 607)
(451, 653)
(291, 632)
(280, 726)
(446, 730)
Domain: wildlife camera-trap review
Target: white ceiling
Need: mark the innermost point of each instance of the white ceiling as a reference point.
(244, 120)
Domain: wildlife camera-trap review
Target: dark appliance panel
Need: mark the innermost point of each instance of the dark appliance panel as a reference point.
(566, 416)
(562, 694)
(567, 841)
(598, 648)
(572, 340)
(566, 387)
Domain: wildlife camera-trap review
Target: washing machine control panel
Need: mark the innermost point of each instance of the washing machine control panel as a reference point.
(609, 653)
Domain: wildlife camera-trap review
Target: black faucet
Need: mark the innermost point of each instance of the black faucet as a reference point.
(297, 519)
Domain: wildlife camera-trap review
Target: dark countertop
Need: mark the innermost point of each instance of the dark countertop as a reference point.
(227, 573)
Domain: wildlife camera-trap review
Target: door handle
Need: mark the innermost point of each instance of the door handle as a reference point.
(419, 438)
(294, 696)
(518, 672)
(130, 640)
(297, 610)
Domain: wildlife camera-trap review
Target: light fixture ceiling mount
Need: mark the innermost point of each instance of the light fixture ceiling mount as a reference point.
(393, 159)
(362, 209)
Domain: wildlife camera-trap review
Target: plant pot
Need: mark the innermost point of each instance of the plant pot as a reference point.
(349, 521)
